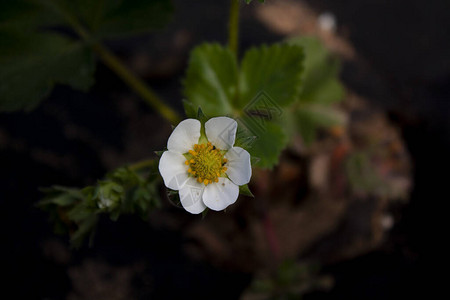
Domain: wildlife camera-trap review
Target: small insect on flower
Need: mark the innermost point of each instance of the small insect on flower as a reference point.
(203, 165)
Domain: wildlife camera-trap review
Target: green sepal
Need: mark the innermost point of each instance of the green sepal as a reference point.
(201, 116)
(204, 213)
(159, 153)
(245, 190)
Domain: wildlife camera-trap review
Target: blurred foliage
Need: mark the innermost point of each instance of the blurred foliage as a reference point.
(367, 176)
(321, 89)
(249, 1)
(123, 191)
(290, 281)
(33, 63)
(38, 48)
(275, 92)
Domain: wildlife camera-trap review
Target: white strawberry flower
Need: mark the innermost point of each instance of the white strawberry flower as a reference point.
(203, 164)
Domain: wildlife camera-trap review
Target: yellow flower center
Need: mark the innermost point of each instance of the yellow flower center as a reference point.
(206, 163)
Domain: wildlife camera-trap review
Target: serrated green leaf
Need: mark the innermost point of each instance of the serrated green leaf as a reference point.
(211, 79)
(269, 79)
(270, 141)
(32, 64)
(275, 70)
(245, 190)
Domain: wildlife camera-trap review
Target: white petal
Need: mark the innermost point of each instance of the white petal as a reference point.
(221, 132)
(184, 136)
(218, 195)
(173, 169)
(239, 169)
(191, 196)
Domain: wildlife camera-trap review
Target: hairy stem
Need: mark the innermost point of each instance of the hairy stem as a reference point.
(139, 86)
(233, 27)
(116, 65)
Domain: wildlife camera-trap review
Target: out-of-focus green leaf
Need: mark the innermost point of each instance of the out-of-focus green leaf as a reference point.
(320, 79)
(275, 70)
(86, 229)
(31, 64)
(311, 117)
(362, 175)
(211, 79)
(320, 89)
(61, 196)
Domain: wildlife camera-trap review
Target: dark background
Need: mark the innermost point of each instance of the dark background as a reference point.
(406, 49)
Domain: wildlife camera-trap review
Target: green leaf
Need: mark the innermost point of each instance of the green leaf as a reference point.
(269, 80)
(33, 63)
(211, 79)
(86, 228)
(245, 190)
(275, 70)
(270, 141)
(320, 79)
(311, 117)
(61, 196)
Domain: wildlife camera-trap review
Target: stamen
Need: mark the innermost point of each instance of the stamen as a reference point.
(207, 163)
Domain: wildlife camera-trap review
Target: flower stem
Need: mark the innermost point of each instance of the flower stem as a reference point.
(148, 163)
(116, 65)
(233, 27)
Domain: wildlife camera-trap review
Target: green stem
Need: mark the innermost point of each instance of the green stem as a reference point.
(135, 83)
(148, 163)
(233, 27)
(115, 64)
